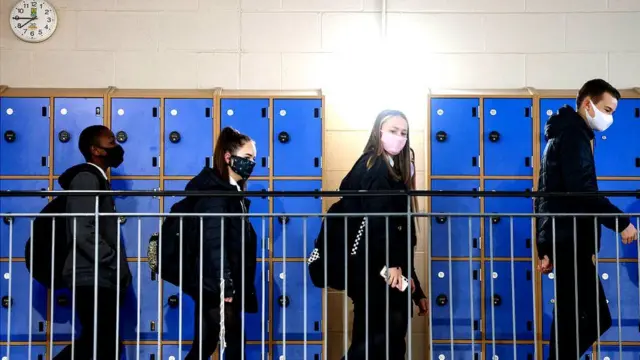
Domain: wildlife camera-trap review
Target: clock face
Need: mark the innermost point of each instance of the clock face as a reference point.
(33, 21)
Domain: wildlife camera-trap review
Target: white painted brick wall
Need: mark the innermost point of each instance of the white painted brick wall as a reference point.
(272, 44)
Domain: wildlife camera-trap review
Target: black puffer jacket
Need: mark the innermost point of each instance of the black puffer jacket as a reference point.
(568, 166)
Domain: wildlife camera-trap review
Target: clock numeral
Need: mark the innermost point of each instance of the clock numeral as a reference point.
(46, 27)
(34, 4)
(49, 19)
(39, 32)
(32, 33)
(26, 6)
(46, 12)
(24, 32)
(20, 11)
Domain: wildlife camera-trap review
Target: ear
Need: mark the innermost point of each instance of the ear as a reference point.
(227, 157)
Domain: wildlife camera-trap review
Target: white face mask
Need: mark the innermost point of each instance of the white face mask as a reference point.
(601, 121)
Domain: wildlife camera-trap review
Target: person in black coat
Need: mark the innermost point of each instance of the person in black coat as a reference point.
(568, 166)
(384, 165)
(419, 298)
(231, 246)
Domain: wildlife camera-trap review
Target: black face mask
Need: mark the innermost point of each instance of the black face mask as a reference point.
(242, 166)
(114, 157)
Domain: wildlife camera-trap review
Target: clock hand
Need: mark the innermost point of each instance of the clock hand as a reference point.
(21, 18)
(23, 25)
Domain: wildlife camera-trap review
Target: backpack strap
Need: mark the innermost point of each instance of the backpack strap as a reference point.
(104, 183)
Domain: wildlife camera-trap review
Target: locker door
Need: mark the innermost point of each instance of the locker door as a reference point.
(465, 241)
(144, 352)
(297, 352)
(251, 352)
(628, 205)
(21, 225)
(136, 125)
(618, 142)
(188, 136)
(612, 352)
(61, 327)
(497, 232)
(71, 116)
(130, 234)
(290, 313)
(15, 290)
(297, 137)
(587, 355)
(506, 352)
(175, 352)
(22, 352)
(24, 124)
(293, 240)
(251, 117)
(457, 298)
(628, 308)
(460, 352)
(499, 304)
(172, 299)
(455, 137)
(173, 185)
(141, 301)
(508, 137)
(255, 325)
(548, 303)
(260, 205)
(550, 107)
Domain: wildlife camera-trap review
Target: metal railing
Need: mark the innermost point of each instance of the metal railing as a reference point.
(439, 343)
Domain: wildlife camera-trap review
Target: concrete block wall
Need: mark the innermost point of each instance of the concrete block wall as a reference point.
(334, 45)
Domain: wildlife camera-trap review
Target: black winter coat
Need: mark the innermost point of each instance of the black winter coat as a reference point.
(568, 166)
(377, 177)
(229, 247)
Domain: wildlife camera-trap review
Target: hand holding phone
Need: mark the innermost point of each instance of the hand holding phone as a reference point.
(403, 284)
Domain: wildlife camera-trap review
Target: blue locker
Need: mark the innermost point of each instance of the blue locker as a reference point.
(251, 117)
(172, 299)
(297, 137)
(144, 352)
(173, 185)
(619, 142)
(628, 205)
(612, 352)
(71, 116)
(188, 131)
(260, 205)
(21, 225)
(497, 229)
(21, 352)
(289, 308)
(24, 148)
(464, 280)
(455, 137)
(19, 303)
(175, 352)
(137, 204)
(460, 351)
(465, 241)
(548, 303)
(252, 352)
(550, 107)
(295, 226)
(136, 125)
(508, 137)
(297, 352)
(629, 314)
(506, 352)
(61, 327)
(501, 300)
(141, 300)
(588, 355)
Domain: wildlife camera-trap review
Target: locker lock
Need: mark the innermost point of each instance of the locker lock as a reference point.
(10, 136)
(442, 300)
(495, 219)
(494, 136)
(284, 301)
(283, 219)
(122, 137)
(174, 137)
(6, 301)
(123, 220)
(441, 136)
(284, 137)
(441, 219)
(497, 300)
(7, 220)
(172, 301)
(62, 300)
(64, 136)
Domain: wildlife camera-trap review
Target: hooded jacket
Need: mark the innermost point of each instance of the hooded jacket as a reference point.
(568, 166)
(86, 177)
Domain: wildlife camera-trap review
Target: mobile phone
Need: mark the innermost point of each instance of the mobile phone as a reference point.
(405, 282)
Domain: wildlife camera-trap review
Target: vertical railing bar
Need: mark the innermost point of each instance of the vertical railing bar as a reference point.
(242, 272)
(263, 284)
(95, 279)
(118, 270)
(493, 307)
(575, 278)
(180, 265)
(73, 286)
(30, 286)
(345, 315)
(513, 289)
(471, 304)
(449, 240)
(555, 286)
(596, 228)
(53, 265)
(200, 286)
(429, 289)
(618, 287)
(160, 284)
(284, 284)
(411, 266)
(366, 288)
(304, 283)
(386, 289)
(139, 286)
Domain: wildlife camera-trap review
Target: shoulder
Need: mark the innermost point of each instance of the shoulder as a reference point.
(85, 180)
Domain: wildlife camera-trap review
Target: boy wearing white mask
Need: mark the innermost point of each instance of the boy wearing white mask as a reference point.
(568, 166)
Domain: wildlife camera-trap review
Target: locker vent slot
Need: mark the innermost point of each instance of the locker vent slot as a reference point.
(154, 112)
(44, 111)
(207, 112)
(474, 112)
(638, 112)
(264, 112)
(527, 112)
(316, 113)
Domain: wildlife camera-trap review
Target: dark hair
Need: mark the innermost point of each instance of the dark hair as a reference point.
(88, 138)
(402, 162)
(229, 141)
(595, 89)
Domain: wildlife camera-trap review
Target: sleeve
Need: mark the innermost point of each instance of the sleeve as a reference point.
(215, 245)
(86, 225)
(578, 172)
(419, 293)
(376, 179)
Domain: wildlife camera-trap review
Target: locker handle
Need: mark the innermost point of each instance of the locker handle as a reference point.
(638, 112)
(207, 112)
(475, 325)
(152, 326)
(43, 161)
(474, 161)
(39, 356)
(207, 161)
(7, 302)
(474, 112)
(497, 300)
(264, 112)
(529, 357)
(529, 325)
(527, 161)
(442, 300)
(475, 243)
(152, 357)
(264, 161)
(494, 136)
(154, 161)
(316, 357)
(475, 274)
(64, 136)
(316, 162)
(284, 137)
(528, 275)
(44, 111)
(527, 112)
(476, 356)
(41, 326)
(9, 136)
(175, 137)
(637, 162)
(316, 113)
(527, 243)
(154, 112)
(316, 326)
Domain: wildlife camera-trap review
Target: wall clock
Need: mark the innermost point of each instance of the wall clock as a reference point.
(34, 20)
